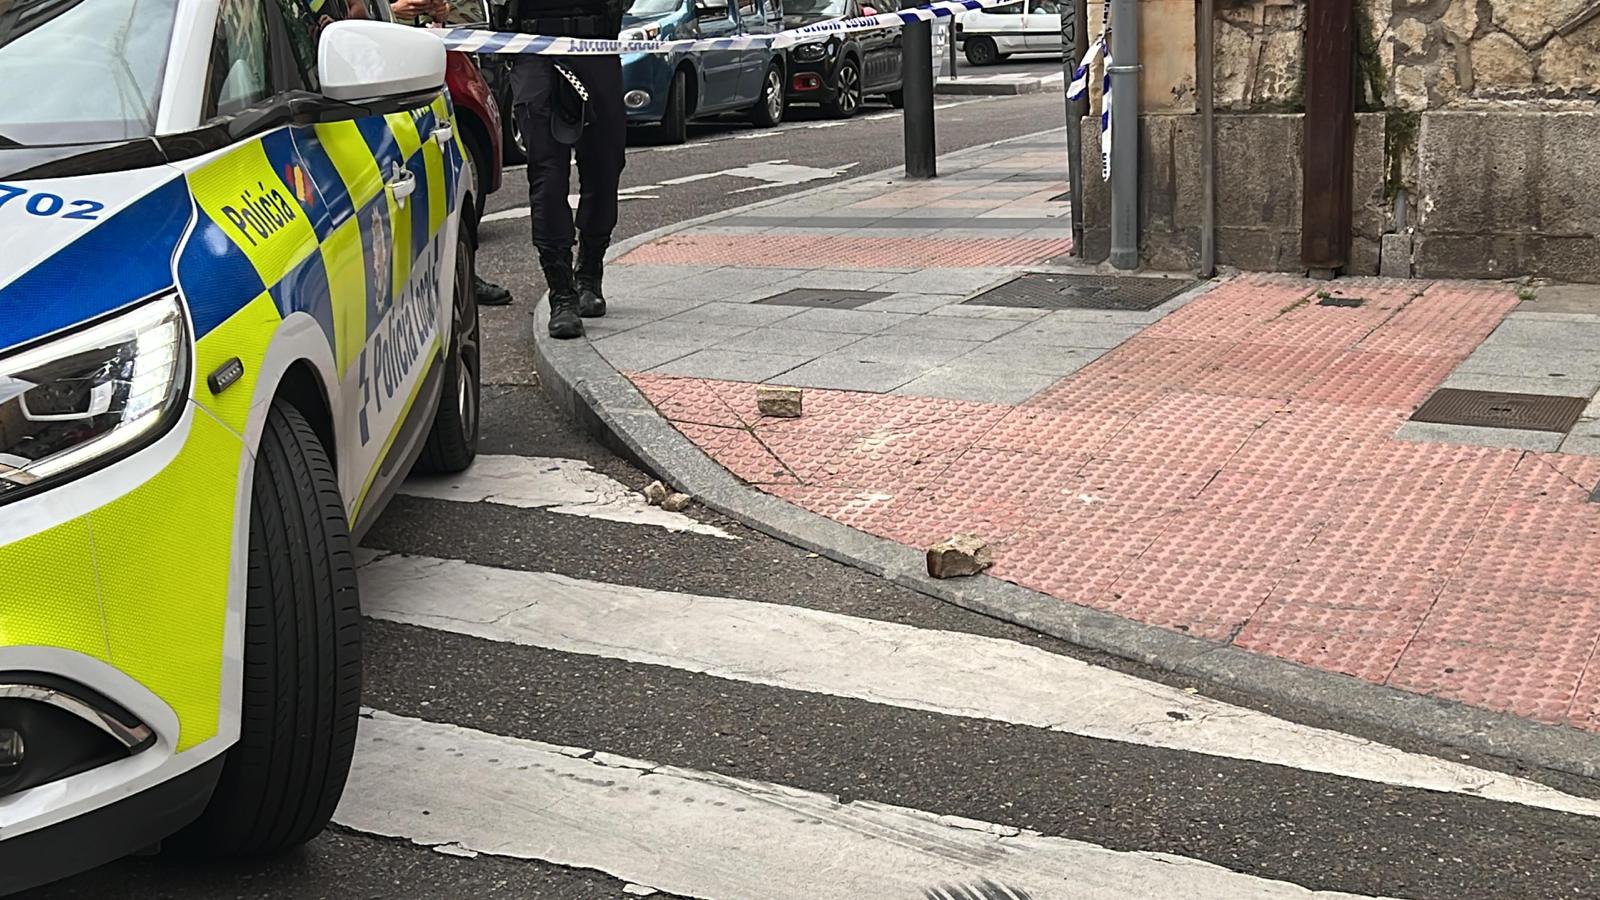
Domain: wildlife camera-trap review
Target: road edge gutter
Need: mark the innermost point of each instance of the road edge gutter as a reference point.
(606, 405)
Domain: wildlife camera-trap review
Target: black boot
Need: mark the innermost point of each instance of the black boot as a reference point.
(591, 268)
(489, 293)
(564, 320)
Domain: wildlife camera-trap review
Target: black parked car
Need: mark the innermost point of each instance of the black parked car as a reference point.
(838, 72)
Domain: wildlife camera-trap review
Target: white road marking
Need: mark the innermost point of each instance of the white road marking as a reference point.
(566, 486)
(701, 834)
(945, 672)
(779, 172)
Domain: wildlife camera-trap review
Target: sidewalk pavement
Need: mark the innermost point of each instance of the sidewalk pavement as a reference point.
(1001, 83)
(1236, 464)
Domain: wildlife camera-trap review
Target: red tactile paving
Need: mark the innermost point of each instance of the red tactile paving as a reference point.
(1232, 473)
(853, 252)
(740, 453)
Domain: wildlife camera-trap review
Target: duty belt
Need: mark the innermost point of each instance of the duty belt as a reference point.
(568, 26)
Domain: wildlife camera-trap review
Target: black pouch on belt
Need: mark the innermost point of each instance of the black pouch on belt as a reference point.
(569, 107)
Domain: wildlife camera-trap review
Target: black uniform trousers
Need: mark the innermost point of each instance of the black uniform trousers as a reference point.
(602, 148)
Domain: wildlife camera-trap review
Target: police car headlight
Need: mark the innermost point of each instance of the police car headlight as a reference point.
(810, 52)
(86, 396)
(643, 33)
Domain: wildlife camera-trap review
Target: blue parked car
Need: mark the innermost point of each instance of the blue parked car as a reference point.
(669, 90)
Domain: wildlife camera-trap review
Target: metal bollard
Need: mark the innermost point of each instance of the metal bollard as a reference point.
(918, 87)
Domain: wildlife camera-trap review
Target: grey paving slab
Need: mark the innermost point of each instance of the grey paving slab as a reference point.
(786, 339)
(1055, 332)
(838, 279)
(923, 351)
(958, 310)
(717, 313)
(1574, 334)
(1539, 361)
(955, 328)
(836, 372)
(732, 365)
(1586, 428)
(915, 304)
(1531, 313)
(851, 321)
(1523, 384)
(1039, 359)
(980, 384)
(642, 307)
(633, 277)
(1511, 438)
(698, 335)
(627, 353)
(1583, 445)
(948, 281)
(875, 232)
(1592, 411)
(718, 283)
(1564, 298)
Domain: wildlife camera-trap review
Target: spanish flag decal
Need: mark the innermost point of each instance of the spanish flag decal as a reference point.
(295, 177)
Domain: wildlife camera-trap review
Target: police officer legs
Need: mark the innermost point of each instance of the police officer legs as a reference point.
(602, 152)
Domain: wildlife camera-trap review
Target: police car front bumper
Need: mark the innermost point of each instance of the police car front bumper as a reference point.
(130, 825)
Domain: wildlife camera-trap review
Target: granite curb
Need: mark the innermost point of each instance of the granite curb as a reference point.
(605, 403)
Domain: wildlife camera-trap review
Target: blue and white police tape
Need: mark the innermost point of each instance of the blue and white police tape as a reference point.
(1079, 89)
(471, 40)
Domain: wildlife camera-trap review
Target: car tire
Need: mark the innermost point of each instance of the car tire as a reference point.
(302, 656)
(477, 157)
(675, 119)
(846, 98)
(453, 441)
(514, 148)
(981, 51)
(768, 110)
(897, 99)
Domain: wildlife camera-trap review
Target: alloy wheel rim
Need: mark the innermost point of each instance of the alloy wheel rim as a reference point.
(774, 95)
(465, 326)
(851, 94)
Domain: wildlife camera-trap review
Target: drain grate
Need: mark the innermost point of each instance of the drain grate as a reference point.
(1062, 197)
(1345, 302)
(1493, 409)
(1044, 290)
(825, 299)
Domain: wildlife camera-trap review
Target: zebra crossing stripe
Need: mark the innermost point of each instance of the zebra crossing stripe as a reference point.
(701, 834)
(565, 486)
(950, 673)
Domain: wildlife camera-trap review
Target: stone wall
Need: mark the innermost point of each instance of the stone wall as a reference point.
(1489, 53)
(1503, 194)
(1258, 206)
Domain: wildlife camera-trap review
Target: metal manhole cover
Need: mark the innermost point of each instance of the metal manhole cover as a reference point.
(1493, 409)
(826, 299)
(1046, 290)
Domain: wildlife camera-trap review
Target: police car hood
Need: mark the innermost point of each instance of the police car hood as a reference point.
(80, 246)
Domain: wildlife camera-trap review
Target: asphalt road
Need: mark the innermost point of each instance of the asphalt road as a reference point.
(1264, 821)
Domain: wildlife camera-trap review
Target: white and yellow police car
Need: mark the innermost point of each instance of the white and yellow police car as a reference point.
(235, 309)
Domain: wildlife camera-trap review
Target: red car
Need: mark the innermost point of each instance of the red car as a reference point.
(479, 116)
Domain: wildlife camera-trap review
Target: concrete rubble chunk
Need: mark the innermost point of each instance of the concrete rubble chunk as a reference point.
(778, 402)
(656, 493)
(960, 556)
(676, 502)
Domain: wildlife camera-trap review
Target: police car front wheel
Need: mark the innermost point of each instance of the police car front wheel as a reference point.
(302, 657)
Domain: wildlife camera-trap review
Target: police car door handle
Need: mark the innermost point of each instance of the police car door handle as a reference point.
(404, 184)
(443, 134)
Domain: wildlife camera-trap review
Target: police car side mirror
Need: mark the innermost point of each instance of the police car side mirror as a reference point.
(364, 60)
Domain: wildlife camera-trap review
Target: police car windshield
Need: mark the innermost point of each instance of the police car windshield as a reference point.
(645, 9)
(76, 71)
(832, 8)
